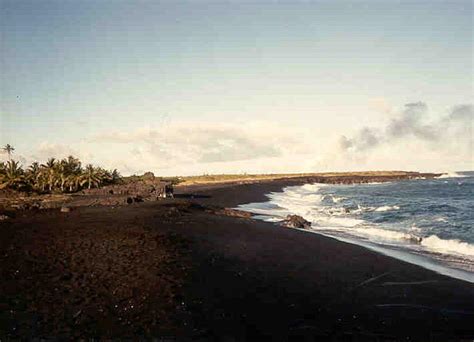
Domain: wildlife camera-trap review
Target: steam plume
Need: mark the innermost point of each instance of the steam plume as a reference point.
(456, 127)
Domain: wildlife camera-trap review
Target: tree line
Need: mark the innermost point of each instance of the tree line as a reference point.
(64, 175)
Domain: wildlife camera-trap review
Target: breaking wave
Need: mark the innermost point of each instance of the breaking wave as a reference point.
(454, 246)
(451, 175)
(387, 208)
(368, 215)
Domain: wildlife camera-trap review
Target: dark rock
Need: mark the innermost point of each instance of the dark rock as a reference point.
(295, 221)
(232, 212)
(19, 206)
(149, 188)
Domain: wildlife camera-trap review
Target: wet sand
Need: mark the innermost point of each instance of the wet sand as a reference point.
(176, 271)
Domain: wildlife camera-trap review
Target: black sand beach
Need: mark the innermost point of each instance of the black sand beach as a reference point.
(175, 270)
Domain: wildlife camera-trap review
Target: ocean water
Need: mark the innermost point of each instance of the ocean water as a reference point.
(429, 222)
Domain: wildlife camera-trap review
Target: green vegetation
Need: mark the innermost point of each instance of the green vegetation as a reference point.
(65, 175)
(9, 150)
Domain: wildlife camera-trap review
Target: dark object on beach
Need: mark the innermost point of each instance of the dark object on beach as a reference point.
(168, 190)
(149, 189)
(135, 199)
(295, 221)
(232, 212)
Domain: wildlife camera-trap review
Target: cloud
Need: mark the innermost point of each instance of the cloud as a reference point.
(411, 134)
(15, 156)
(410, 123)
(411, 139)
(462, 113)
(365, 139)
(204, 146)
(380, 105)
(47, 150)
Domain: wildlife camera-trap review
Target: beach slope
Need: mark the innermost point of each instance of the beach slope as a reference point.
(178, 269)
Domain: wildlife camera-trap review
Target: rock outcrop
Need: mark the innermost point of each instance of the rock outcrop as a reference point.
(295, 221)
(232, 212)
(147, 189)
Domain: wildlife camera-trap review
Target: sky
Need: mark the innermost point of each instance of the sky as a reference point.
(181, 88)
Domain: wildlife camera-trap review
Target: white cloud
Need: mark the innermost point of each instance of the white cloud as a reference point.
(380, 104)
(190, 147)
(410, 140)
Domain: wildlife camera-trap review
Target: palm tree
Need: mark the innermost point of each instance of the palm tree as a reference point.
(9, 149)
(73, 182)
(13, 176)
(33, 175)
(72, 164)
(61, 173)
(91, 176)
(49, 170)
(116, 177)
(3, 168)
(66, 175)
(43, 176)
(71, 173)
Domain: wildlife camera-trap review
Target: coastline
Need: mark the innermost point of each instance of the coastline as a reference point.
(424, 260)
(224, 277)
(233, 193)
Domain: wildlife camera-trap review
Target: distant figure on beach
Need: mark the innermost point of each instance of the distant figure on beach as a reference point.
(169, 190)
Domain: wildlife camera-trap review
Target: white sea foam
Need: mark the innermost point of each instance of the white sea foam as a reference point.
(361, 209)
(334, 199)
(387, 208)
(451, 175)
(334, 221)
(454, 246)
(386, 234)
(342, 222)
(333, 211)
(311, 187)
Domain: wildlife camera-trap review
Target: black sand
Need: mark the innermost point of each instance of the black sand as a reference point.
(173, 270)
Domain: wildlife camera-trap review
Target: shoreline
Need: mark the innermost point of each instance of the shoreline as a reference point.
(209, 276)
(144, 189)
(423, 260)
